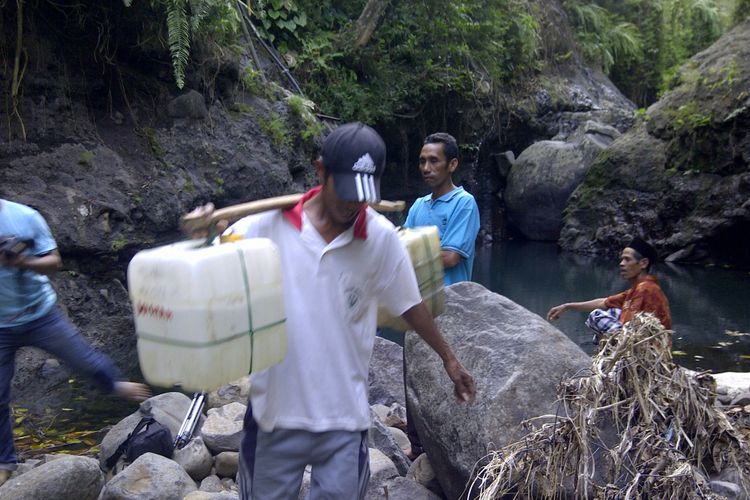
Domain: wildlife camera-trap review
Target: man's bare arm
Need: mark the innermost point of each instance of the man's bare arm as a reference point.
(450, 258)
(420, 319)
(587, 306)
(47, 264)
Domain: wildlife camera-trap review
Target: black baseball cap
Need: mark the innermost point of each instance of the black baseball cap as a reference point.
(355, 155)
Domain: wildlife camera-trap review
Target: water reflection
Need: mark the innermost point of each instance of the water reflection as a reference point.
(705, 302)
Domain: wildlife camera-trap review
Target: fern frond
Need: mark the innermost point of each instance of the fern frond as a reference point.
(589, 17)
(708, 13)
(624, 39)
(178, 29)
(199, 10)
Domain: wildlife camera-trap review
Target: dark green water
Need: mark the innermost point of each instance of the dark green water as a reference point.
(705, 302)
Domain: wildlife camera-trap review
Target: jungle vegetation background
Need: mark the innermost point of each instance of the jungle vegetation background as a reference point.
(381, 61)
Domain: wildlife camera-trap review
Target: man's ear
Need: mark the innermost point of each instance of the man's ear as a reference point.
(453, 165)
(320, 170)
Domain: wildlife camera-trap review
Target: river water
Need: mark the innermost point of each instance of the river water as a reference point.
(706, 303)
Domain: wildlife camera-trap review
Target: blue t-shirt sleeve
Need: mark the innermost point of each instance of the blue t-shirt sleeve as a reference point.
(461, 230)
(44, 243)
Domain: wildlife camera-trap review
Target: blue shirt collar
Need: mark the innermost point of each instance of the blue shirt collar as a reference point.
(449, 195)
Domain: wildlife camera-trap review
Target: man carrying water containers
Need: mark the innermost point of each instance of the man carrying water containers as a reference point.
(608, 314)
(30, 316)
(340, 259)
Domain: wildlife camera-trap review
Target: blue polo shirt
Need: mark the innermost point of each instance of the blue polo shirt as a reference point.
(24, 294)
(456, 216)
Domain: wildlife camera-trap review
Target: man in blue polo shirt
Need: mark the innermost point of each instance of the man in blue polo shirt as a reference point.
(456, 216)
(450, 208)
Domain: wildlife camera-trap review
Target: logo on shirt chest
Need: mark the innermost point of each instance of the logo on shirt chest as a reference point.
(353, 297)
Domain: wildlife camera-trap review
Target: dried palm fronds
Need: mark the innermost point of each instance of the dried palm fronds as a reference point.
(636, 427)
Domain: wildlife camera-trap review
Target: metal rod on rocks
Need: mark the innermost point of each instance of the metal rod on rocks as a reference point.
(187, 428)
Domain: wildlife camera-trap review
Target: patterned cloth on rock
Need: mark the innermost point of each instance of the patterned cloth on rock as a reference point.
(605, 321)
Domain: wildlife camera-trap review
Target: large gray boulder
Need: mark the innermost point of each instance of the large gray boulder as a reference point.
(66, 478)
(681, 177)
(150, 477)
(516, 358)
(544, 176)
(386, 379)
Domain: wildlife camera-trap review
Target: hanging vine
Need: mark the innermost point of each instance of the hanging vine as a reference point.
(19, 68)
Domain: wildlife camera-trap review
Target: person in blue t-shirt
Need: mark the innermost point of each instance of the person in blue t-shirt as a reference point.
(29, 316)
(456, 215)
(449, 207)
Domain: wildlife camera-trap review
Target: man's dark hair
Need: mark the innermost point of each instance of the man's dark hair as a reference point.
(450, 146)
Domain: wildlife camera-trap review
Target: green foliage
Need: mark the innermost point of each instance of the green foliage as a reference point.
(119, 242)
(279, 20)
(741, 11)
(179, 38)
(641, 43)
(604, 39)
(86, 158)
(688, 118)
(149, 134)
(252, 82)
(302, 110)
(422, 56)
(276, 129)
(216, 21)
(219, 185)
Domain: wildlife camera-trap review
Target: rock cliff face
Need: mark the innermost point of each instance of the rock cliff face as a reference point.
(681, 177)
(554, 129)
(112, 166)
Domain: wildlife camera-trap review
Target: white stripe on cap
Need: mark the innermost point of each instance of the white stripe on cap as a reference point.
(371, 182)
(366, 186)
(358, 183)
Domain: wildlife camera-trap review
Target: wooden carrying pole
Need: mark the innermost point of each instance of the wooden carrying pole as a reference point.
(235, 212)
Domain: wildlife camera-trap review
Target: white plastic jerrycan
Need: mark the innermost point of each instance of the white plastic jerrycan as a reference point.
(206, 316)
(423, 246)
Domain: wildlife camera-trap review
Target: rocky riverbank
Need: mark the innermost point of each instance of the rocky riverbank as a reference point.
(516, 357)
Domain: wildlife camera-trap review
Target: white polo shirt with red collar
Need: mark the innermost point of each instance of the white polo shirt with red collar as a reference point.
(331, 296)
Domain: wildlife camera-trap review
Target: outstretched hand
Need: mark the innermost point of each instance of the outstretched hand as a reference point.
(132, 391)
(556, 312)
(463, 383)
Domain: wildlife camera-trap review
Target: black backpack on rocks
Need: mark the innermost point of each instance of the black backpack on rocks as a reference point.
(148, 436)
